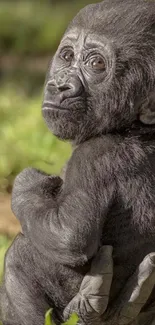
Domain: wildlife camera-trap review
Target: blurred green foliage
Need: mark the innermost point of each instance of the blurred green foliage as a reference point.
(4, 244)
(24, 137)
(31, 27)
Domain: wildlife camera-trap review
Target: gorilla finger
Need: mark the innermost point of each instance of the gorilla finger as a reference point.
(138, 290)
(96, 284)
(93, 297)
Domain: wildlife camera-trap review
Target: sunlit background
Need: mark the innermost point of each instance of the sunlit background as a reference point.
(30, 31)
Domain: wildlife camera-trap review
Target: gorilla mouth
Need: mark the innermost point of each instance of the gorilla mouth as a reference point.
(53, 106)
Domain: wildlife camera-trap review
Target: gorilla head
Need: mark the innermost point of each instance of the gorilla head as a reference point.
(102, 77)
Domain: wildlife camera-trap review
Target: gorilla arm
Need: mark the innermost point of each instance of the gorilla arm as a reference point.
(70, 225)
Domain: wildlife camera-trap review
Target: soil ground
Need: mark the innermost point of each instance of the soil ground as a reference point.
(9, 225)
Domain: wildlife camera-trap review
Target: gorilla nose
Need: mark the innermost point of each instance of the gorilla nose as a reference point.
(68, 86)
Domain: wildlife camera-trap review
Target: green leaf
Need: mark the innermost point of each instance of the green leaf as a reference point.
(72, 320)
(48, 318)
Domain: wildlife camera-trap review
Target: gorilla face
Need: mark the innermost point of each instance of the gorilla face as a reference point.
(73, 100)
(96, 82)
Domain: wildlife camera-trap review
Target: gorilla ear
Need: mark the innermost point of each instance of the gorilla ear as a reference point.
(147, 110)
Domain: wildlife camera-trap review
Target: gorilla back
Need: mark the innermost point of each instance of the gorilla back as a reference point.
(100, 95)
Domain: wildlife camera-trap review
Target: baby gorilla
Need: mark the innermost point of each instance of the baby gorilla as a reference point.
(100, 95)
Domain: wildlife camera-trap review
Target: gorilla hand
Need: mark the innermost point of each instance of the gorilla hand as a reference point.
(91, 303)
(92, 299)
(31, 181)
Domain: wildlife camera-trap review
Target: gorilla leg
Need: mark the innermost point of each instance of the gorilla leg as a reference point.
(22, 299)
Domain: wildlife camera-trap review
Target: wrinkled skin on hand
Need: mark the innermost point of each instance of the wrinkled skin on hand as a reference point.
(91, 302)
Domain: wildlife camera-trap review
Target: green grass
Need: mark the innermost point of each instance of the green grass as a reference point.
(24, 137)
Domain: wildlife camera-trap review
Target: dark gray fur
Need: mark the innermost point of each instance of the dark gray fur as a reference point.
(108, 194)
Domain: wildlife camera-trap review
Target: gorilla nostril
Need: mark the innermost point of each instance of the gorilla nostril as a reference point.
(51, 83)
(64, 87)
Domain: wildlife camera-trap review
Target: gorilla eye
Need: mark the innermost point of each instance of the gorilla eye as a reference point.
(67, 55)
(97, 63)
